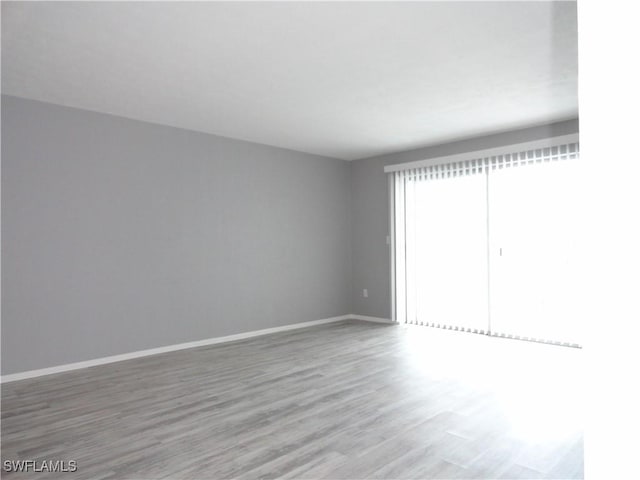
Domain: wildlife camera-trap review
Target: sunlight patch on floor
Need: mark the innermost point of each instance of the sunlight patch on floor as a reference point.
(538, 387)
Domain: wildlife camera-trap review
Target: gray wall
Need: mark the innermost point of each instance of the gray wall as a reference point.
(370, 210)
(120, 235)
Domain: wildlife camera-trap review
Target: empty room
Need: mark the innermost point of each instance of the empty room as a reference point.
(320, 240)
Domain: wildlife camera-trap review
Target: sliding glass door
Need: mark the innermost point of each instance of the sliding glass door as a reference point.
(446, 251)
(533, 265)
(486, 245)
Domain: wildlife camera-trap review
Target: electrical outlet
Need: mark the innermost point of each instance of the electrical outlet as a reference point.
(365, 293)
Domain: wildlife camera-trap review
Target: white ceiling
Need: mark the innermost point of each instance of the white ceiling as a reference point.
(346, 80)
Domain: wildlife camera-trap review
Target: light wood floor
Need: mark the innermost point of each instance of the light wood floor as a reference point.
(344, 400)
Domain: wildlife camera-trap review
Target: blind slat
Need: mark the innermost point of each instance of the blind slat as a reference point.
(496, 162)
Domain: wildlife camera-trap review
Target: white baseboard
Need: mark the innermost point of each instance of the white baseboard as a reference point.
(181, 346)
(366, 318)
(168, 348)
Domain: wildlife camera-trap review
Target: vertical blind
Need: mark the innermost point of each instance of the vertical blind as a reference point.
(443, 259)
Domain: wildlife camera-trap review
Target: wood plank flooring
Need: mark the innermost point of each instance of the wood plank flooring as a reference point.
(344, 400)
